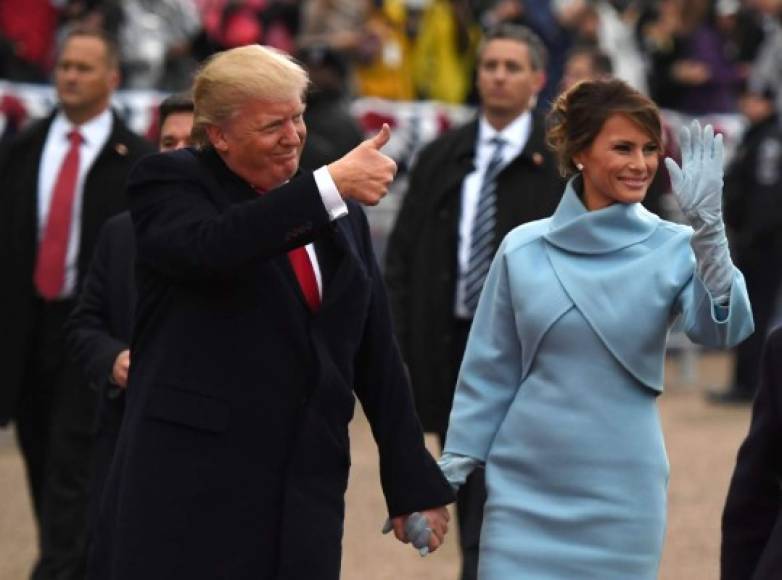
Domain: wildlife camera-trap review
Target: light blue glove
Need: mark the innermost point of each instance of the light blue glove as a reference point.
(697, 186)
(417, 530)
(456, 468)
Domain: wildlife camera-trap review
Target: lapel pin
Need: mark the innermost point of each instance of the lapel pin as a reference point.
(121, 148)
(537, 159)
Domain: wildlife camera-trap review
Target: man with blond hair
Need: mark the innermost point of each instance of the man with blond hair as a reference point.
(260, 313)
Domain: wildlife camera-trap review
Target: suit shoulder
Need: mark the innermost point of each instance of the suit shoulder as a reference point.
(165, 166)
(456, 138)
(33, 133)
(525, 234)
(135, 143)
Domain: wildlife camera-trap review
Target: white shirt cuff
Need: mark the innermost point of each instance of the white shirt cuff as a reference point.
(332, 200)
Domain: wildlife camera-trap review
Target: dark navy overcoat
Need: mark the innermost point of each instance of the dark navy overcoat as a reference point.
(233, 456)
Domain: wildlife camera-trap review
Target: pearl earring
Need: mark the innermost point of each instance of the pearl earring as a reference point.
(580, 166)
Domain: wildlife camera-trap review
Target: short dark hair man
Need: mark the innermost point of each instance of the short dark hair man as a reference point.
(466, 191)
(62, 179)
(260, 314)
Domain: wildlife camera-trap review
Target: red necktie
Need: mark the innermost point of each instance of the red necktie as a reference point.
(49, 273)
(305, 273)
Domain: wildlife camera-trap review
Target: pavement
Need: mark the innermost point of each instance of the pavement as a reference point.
(702, 441)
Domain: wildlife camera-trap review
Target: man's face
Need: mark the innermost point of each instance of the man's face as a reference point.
(84, 78)
(262, 143)
(506, 79)
(577, 68)
(175, 131)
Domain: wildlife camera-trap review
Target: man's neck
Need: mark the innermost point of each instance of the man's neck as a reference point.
(499, 121)
(80, 117)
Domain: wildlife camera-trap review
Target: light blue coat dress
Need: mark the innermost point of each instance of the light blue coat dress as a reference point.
(557, 391)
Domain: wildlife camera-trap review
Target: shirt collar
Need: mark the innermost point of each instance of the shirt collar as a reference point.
(515, 135)
(93, 131)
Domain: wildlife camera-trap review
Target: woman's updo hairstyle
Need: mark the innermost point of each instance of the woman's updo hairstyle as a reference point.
(578, 115)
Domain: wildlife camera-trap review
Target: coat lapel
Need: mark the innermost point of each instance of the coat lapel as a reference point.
(461, 164)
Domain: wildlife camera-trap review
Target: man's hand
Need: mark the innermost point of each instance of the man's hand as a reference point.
(365, 173)
(426, 529)
(119, 372)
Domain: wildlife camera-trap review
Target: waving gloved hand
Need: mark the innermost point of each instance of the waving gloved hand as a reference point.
(697, 185)
(456, 468)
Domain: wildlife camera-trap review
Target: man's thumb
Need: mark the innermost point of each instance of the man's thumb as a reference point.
(382, 137)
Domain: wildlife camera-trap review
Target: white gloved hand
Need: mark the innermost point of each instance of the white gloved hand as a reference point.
(456, 468)
(697, 186)
(698, 183)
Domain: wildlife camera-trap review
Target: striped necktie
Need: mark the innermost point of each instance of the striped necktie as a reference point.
(482, 243)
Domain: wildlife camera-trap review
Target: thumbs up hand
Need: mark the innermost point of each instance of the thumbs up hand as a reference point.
(365, 173)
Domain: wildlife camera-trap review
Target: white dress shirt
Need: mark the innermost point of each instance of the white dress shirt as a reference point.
(515, 137)
(336, 208)
(95, 133)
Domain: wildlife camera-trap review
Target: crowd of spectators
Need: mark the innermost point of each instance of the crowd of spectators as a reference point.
(697, 57)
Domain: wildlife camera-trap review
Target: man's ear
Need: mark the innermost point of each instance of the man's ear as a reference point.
(538, 81)
(115, 78)
(216, 137)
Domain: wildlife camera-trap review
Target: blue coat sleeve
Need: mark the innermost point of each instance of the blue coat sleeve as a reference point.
(709, 324)
(491, 369)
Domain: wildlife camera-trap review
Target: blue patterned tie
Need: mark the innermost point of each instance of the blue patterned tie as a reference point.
(483, 228)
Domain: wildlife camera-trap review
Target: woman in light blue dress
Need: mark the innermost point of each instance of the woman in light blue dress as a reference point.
(557, 392)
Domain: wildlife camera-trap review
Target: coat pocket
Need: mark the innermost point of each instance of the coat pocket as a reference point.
(189, 409)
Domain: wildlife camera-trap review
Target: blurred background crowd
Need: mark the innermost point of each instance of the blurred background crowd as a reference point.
(694, 56)
(411, 63)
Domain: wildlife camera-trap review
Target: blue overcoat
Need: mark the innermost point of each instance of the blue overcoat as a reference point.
(557, 391)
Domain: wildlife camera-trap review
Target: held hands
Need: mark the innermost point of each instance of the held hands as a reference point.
(425, 530)
(365, 173)
(698, 183)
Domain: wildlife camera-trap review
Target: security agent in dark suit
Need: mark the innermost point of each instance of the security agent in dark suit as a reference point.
(753, 212)
(99, 328)
(233, 456)
(59, 187)
(752, 518)
(428, 270)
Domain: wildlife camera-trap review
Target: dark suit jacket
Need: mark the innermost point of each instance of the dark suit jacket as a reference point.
(233, 455)
(102, 321)
(103, 197)
(98, 329)
(752, 519)
(421, 261)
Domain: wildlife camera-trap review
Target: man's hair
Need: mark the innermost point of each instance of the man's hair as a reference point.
(176, 103)
(579, 113)
(506, 31)
(229, 79)
(601, 62)
(112, 48)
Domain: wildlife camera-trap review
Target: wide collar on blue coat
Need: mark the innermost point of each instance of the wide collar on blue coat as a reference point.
(622, 268)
